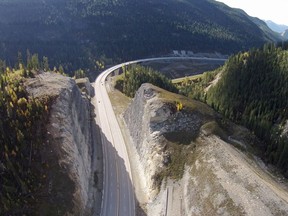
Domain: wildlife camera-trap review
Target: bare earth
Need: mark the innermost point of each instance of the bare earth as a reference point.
(222, 180)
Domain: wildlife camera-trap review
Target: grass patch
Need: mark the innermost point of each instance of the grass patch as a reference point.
(119, 100)
(187, 78)
(179, 156)
(213, 127)
(180, 137)
(189, 104)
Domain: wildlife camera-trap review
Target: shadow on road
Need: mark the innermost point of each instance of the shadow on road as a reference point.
(97, 164)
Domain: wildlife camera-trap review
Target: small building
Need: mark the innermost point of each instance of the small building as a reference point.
(183, 53)
(176, 53)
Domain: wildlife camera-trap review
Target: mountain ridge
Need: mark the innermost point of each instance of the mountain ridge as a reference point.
(280, 28)
(285, 34)
(76, 33)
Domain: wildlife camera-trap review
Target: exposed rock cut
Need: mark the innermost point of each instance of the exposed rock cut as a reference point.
(190, 168)
(153, 123)
(68, 149)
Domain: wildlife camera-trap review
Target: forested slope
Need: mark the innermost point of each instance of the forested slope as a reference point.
(133, 77)
(21, 135)
(76, 33)
(45, 142)
(252, 89)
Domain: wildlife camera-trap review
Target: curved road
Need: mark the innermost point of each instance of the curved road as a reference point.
(118, 192)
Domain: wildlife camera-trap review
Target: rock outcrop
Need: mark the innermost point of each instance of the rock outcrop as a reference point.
(145, 138)
(190, 168)
(154, 123)
(68, 148)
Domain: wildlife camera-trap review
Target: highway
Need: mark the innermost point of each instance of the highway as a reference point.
(118, 191)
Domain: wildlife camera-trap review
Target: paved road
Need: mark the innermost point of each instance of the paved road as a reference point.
(118, 192)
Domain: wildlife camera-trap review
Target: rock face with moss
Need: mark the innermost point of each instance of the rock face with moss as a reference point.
(157, 123)
(146, 140)
(196, 162)
(66, 154)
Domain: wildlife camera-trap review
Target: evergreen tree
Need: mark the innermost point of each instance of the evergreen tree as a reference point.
(35, 62)
(19, 60)
(45, 63)
(61, 69)
(134, 76)
(2, 66)
(253, 91)
(29, 62)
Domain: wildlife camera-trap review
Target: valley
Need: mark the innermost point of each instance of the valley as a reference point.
(184, 157)
(151, 107)
(79, 33)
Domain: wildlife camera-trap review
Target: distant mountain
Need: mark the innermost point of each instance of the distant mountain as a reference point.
(268, 34)
(276, 27)
(285, 34)
(75, 33)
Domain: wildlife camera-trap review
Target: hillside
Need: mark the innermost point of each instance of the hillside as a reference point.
(276, 27)
(133, 77)
(47, 164)
(192, 161)
(285, 34)
(251, 89)
(76, 33)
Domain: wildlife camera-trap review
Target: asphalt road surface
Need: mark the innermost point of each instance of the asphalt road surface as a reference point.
(118, 191)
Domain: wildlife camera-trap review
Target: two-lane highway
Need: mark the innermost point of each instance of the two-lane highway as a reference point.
(118, 192)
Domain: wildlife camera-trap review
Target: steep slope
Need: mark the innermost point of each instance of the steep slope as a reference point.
(276, 27)
(76, 32)
(285, 34)
(160, 126)
(67, 151)
(251, 89)
(267, 31)
(189, 168)
(53, 164)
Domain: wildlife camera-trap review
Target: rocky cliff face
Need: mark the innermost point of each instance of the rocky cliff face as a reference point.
(155, 124)
(68, 147)
(145, 138)
(190, 168)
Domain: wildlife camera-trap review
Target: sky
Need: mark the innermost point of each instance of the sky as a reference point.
(275, 10)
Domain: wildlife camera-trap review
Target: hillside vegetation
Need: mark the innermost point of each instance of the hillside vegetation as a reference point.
(133, 77)
(86, 33)
(21, 135)
(252, 89)
(183, 153)
(23, 175)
